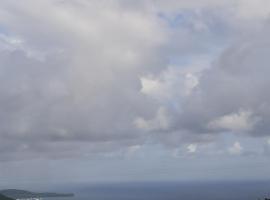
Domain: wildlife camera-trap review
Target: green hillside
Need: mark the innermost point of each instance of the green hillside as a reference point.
(2, 197)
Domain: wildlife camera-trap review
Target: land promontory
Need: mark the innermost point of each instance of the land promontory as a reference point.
(23, 194)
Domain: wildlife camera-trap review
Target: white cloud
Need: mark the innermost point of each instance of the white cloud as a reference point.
(240, 121)
(172, 83)
(192, 148)
(160, 122)
(236, 149)
(132, 150)
(151, 87)
(268, 141)
(190, 83)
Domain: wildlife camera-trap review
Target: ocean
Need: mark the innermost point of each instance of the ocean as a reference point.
(252, 190)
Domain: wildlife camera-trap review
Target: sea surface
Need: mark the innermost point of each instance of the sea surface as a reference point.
(172, 191)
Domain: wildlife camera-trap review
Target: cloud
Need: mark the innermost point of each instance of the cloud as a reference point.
(160, 122)
(234, 122)
(72, 75)
(192, 148)
(231, 95)
(236, 149)
(97, 76)
(163, 86)
(228, 96)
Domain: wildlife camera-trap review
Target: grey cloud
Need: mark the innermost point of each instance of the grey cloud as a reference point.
(70, 78)
(233, 90)
(86, 86)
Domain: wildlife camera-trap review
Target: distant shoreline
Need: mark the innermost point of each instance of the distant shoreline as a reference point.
(23, 194)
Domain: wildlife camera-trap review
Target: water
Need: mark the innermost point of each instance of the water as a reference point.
(172, 191)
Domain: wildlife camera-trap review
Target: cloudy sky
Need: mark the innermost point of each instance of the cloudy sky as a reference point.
(134, 90)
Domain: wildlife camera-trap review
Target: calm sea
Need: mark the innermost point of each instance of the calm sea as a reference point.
(172, 191)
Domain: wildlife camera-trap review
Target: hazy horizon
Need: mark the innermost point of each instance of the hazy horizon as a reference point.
(212, 190)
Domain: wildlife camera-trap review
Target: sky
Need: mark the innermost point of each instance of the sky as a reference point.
(125, 90)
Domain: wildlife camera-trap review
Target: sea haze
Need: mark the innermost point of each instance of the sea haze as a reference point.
(251, 190)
